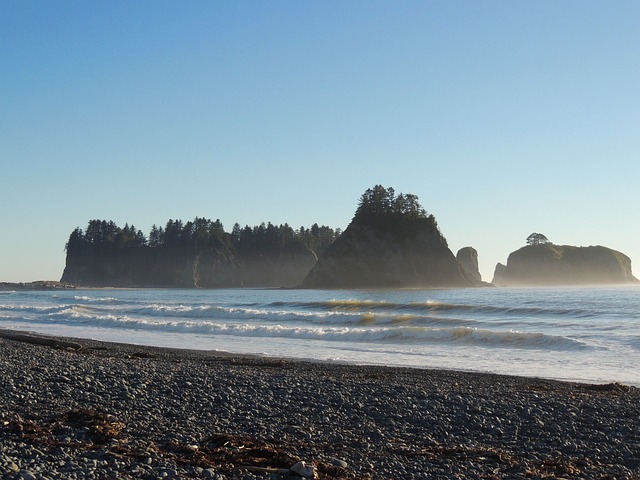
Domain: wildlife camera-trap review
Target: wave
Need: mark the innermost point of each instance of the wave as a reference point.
(269, 315)
(342, 314)
(431, 306)
(82, 315)
(32, 309)
(85, 298)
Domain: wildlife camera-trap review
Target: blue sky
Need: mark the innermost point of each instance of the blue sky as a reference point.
(505, 118)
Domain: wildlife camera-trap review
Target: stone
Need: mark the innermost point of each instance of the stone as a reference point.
(302, 469)
(209, 473)
(336, 462)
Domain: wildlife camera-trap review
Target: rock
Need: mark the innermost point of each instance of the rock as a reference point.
(500, 275)
(303, 470)
(549, 264)
(336, 462)
(468, 259)
(389, 244)
(209, 473)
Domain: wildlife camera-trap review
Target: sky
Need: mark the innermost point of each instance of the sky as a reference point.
(504, 118)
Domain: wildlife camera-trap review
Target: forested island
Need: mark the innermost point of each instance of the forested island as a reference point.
(198, 253)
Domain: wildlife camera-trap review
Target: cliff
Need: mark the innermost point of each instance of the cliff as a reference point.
(468, 259)
(551, 265)
(390, 243)
(151, 267)
(158, 267)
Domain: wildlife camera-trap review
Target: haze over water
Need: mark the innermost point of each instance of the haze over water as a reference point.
(582, 334)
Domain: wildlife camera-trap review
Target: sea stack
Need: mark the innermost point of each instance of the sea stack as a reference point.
(391, 242)
(468, 259)
(546, 264)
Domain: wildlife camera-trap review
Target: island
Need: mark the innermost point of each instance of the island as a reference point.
(194, 254)
(541, 263)
(391, 242)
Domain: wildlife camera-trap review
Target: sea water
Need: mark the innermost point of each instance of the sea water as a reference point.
(578, 334)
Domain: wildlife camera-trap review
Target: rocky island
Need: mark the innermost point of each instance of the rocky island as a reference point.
(194, 254)
(541, 263)
(390, 243)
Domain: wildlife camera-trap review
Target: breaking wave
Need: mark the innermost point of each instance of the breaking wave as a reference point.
(390, 333)
(432, 306)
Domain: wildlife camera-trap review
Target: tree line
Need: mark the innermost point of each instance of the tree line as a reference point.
(201, 234)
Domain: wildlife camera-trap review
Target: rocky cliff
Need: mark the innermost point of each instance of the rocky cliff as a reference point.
(390, 243)
(151, 267)
(158, 267)
(468, 259)
(548, 264)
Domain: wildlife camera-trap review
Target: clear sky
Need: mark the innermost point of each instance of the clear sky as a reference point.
(505, 118)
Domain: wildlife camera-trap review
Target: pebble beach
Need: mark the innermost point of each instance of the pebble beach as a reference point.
(83, 409)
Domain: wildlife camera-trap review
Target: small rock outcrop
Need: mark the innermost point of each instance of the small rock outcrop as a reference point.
(468, 259)
(550, 265)
(390, 243)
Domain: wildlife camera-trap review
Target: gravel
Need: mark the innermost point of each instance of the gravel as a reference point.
(81, 409)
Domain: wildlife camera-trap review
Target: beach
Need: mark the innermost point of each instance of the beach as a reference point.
(77, 408)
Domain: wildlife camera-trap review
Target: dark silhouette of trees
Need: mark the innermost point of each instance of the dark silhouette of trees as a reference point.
(537, 239)
(102, 235)
(380, 203)
(380, 207)
(199, 236)
(77, 241)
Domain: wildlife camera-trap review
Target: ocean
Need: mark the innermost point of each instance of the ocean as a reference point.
(576, 334)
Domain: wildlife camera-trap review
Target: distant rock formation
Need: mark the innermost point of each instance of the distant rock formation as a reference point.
(550, 265)
(468, 259)
(390, 243)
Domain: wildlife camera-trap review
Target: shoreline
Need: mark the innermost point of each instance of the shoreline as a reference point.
(98, 409)
(77, 343)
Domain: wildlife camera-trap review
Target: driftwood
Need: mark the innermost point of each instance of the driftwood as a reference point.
(39, 340)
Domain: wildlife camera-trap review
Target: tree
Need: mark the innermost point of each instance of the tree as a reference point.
(77, 242)
(537, 239)
(155, 236)
(375, 202)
